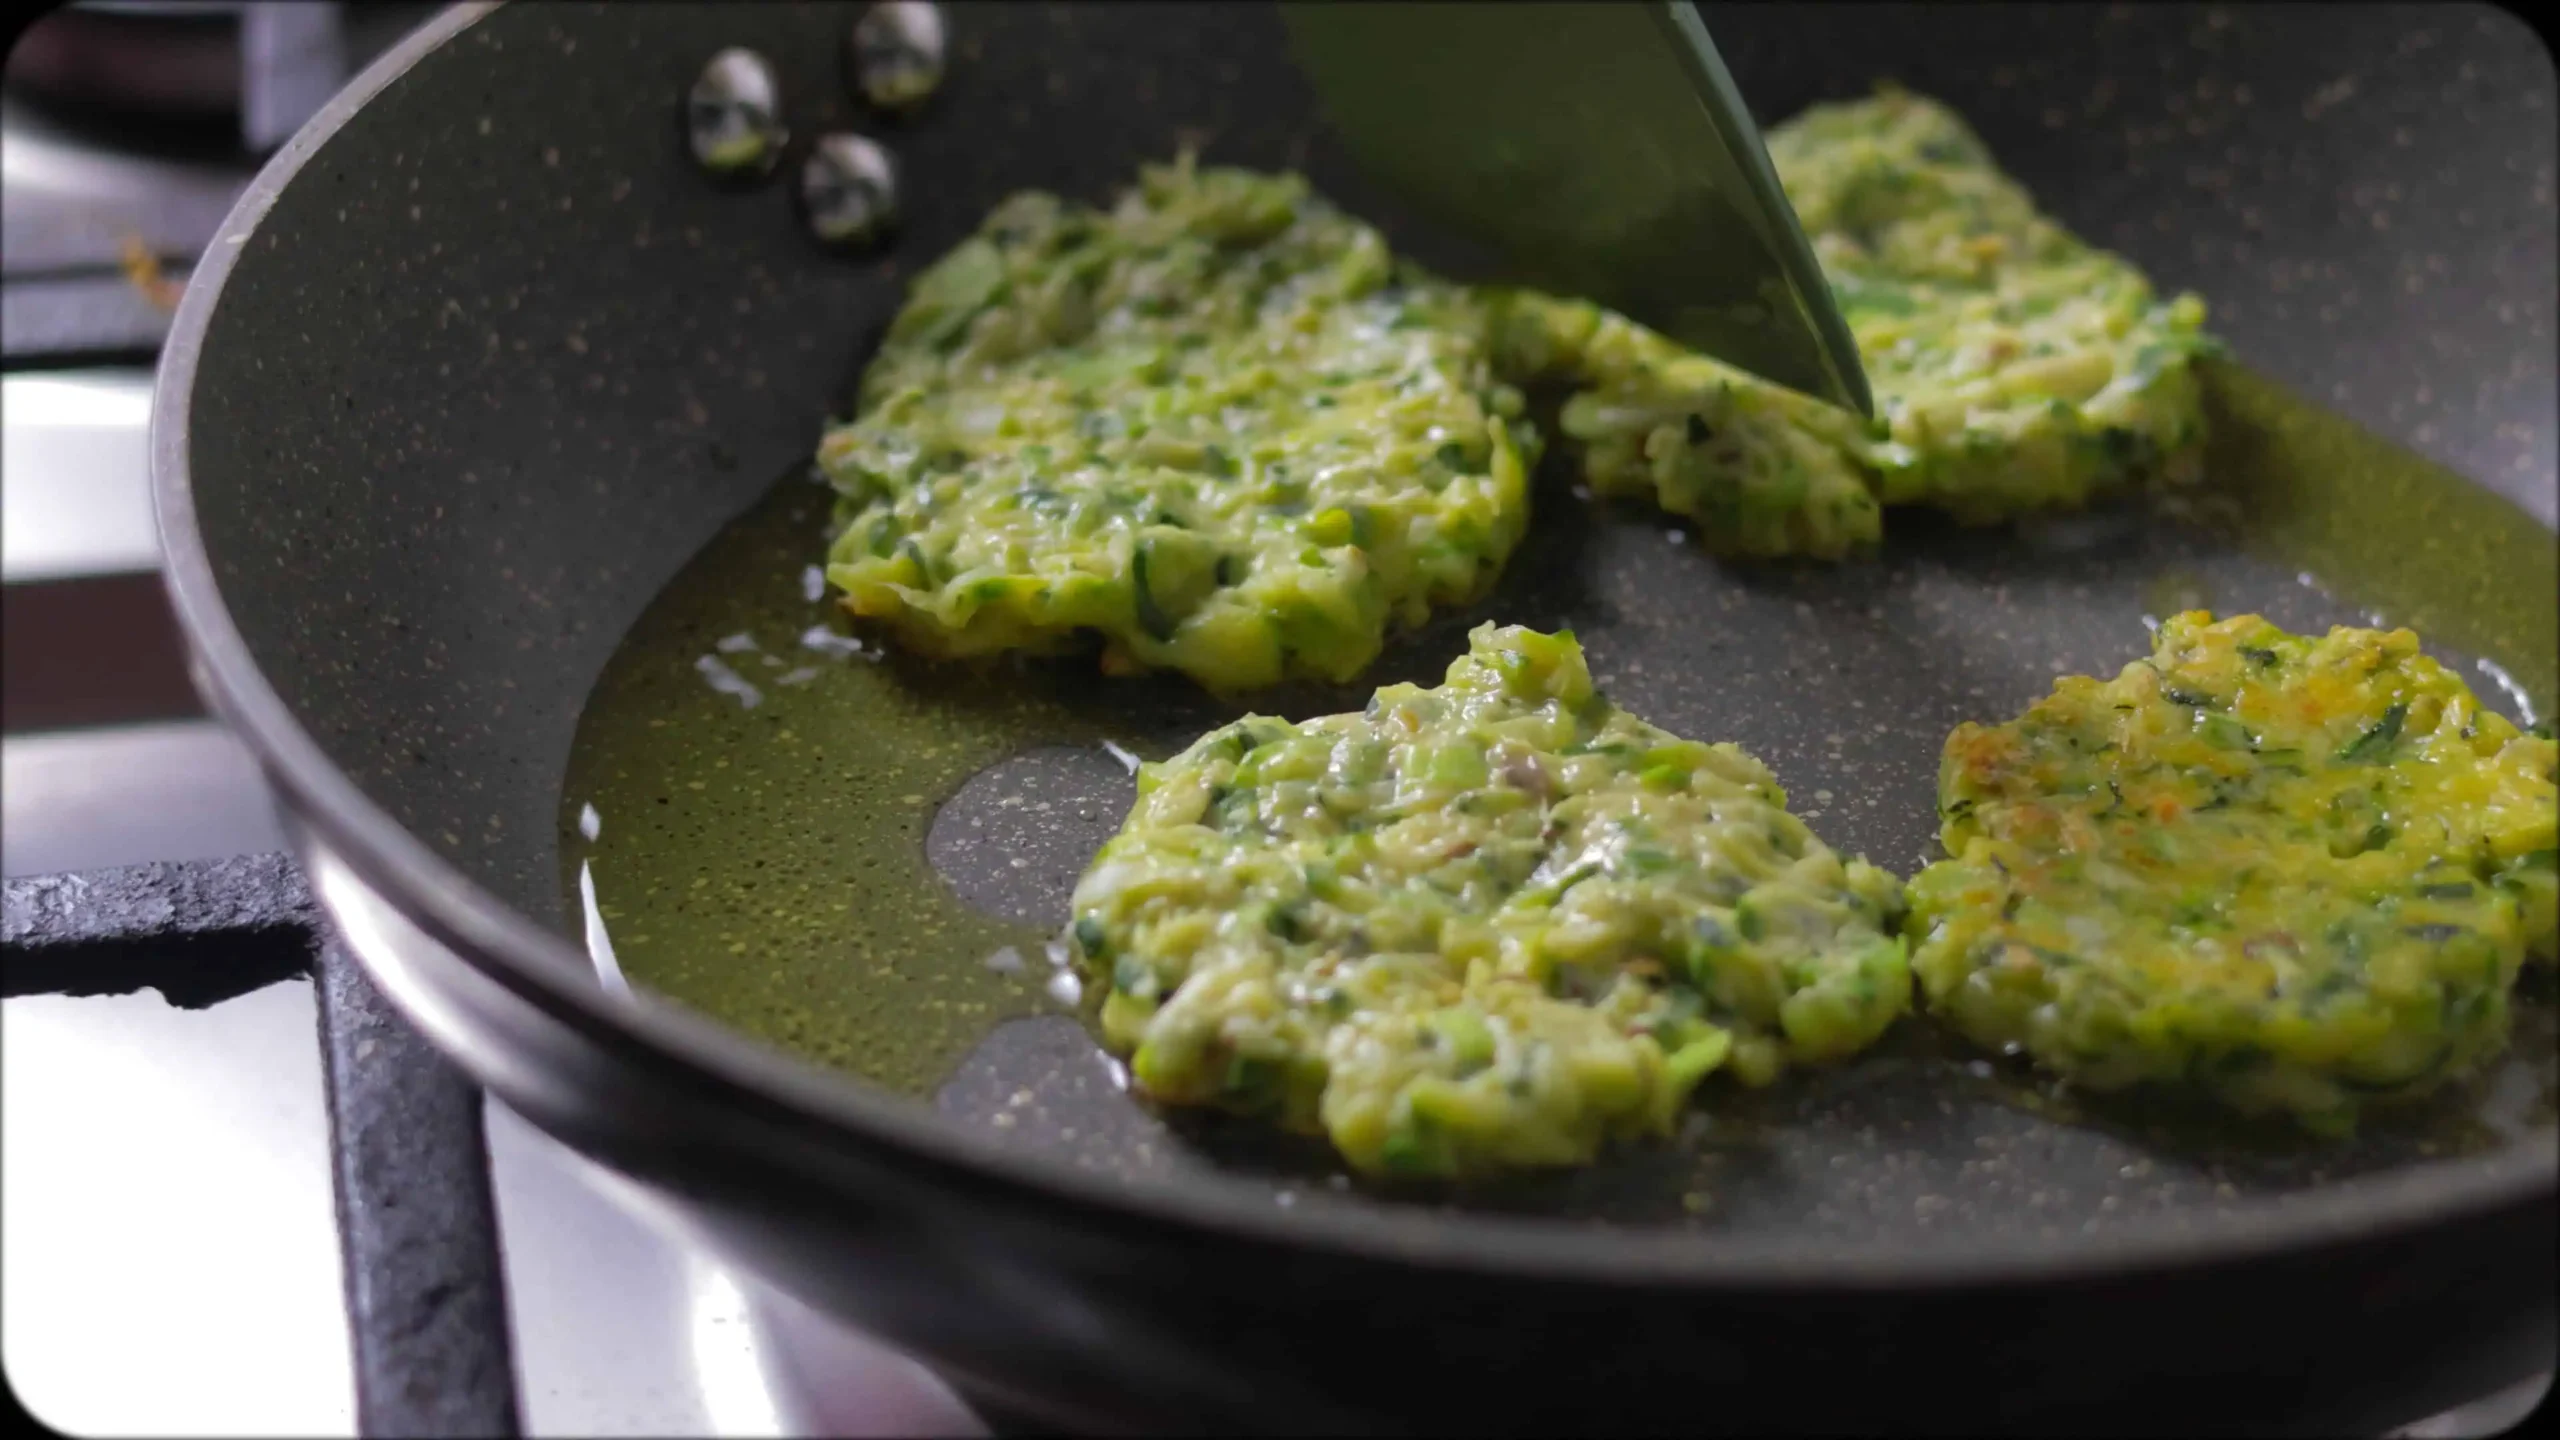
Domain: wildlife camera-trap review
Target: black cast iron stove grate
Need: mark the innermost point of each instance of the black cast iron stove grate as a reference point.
(417, 1234)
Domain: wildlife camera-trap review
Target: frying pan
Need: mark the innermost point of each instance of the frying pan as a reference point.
(481, 360)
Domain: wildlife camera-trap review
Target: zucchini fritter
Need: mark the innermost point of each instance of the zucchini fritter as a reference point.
(2015, 367)
(2300, 873)
(1763, 470)
(1216, 426)
(1483, 926)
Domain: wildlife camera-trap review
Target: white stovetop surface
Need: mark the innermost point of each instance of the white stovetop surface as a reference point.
(166, 1222)
(168, 1235)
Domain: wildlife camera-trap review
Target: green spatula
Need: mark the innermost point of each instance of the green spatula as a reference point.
(1604, 149)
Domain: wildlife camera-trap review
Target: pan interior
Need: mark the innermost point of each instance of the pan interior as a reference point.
(870, 862)
(473, 563)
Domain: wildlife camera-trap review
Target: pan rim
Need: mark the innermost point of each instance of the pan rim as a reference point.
(542, 968)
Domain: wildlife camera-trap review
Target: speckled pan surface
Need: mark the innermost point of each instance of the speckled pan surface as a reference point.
(499, 361)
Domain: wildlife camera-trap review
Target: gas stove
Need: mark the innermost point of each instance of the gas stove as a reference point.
(230, 1165)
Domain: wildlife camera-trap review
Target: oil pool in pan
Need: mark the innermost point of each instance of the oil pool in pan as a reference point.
(865, 858)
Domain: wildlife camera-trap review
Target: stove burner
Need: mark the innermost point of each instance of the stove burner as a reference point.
(126, 132)
(245, 74)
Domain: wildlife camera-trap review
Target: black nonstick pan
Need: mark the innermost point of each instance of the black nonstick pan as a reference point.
(483, 363)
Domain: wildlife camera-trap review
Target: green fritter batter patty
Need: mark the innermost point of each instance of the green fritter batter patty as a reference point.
(2015, 368)
(2299, 873)
(1217, 426)
(1763, 470)
(1486, 926)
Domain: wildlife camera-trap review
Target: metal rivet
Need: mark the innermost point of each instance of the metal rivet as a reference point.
(849, 190)
(733, 116)
(897, 53)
